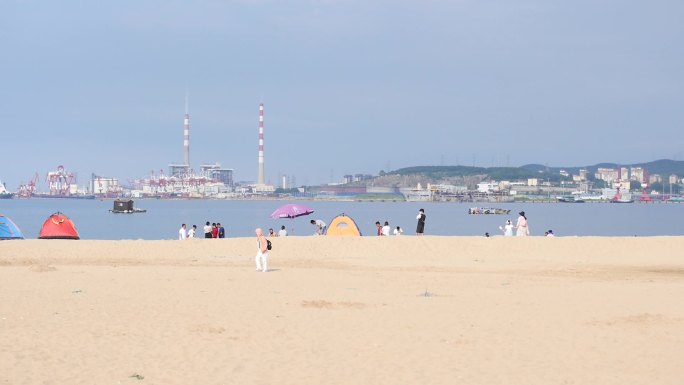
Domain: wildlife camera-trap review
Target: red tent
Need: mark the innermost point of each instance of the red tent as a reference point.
(58, 226)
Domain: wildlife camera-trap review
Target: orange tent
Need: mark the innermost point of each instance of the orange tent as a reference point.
(343, 225)
(58, 226)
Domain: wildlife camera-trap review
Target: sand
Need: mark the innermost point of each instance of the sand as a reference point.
(372, 310)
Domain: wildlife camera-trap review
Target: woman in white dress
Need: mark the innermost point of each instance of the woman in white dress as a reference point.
(522, 228)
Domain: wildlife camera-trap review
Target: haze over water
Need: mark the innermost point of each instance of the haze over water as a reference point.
(164, 217)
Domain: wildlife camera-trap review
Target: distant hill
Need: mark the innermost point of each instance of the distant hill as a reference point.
(444, 172)
(663, 167)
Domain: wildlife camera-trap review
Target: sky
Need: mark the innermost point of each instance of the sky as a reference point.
(348, 86)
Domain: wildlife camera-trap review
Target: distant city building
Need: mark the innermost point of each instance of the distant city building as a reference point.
(447, 188)
(362, 177)
(532, 182)
(179, 170)
(636, 174)
(654, 178)
(104, 186)
(217, 173)
(673, 179)
(609, 175)
(564, 173)
(487, 187)
(348, 178)
(624, 173)
(583, 175)
(263, 188)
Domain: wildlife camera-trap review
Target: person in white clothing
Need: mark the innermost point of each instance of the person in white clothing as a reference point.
(507, 228)
(282, 232)
(320, 226)
(386, 229)
(192, 231)
(398, 231)
(207, 230)
(262, 251)
(182, 234)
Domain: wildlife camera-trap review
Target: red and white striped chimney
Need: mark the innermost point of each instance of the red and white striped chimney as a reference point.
(260, 180)
(186, 135)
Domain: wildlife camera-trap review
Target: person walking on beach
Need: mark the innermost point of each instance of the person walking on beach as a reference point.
(182, 234)
(282, 232)
(522, 228)
(207, 230)
(507, 228)
(378, 226)
(320, 226)
(271, 233)
(262, 251)
(420, 228)
(214, 231)
(192, 231)
(398, 231)
(221, 231)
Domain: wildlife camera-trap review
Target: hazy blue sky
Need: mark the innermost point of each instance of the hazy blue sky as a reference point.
(349, 86)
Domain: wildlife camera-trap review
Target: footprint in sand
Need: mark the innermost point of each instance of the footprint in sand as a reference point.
(322, 304)
(41, 268)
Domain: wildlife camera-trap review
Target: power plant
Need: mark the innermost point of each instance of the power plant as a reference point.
(181, 180)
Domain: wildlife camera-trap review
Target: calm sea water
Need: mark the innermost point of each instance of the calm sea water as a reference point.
(164, 217)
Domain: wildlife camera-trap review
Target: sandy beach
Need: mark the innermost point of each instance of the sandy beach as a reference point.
(371, 310)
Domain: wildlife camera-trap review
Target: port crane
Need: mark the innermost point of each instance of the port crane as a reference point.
(27, 190)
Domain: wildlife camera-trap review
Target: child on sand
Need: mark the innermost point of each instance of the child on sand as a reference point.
(507, 228)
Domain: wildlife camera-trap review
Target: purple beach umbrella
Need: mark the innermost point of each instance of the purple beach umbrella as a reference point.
(291, 210)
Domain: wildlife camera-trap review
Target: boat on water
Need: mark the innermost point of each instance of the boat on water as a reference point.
(487, 210)
(4, 194)
(417, 194)
(125, 206)
(570, 199)
(622, 200)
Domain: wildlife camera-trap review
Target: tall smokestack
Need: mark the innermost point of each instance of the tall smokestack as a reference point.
(186, 134)
(260, 180)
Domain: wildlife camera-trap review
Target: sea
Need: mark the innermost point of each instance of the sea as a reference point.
(163, 218)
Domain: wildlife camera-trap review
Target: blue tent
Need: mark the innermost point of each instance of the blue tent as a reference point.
(8, 230)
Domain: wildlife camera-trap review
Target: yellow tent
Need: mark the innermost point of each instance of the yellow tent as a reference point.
(343, 225)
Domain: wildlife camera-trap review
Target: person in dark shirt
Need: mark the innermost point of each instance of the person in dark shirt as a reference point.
(420, 228)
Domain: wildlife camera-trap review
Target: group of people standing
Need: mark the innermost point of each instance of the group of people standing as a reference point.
(521, 227)
(211, 230)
